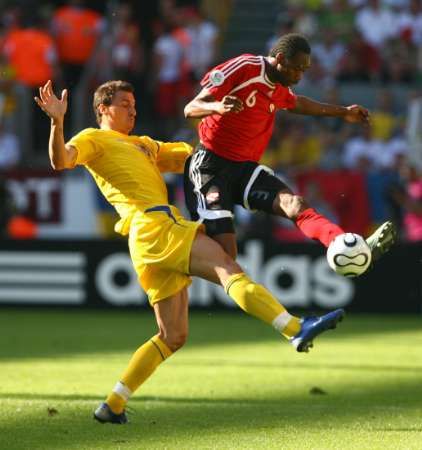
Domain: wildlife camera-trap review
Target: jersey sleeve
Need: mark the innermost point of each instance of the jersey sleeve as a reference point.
(224, 78)
(171, 156)
(287, 99)
(86, 146)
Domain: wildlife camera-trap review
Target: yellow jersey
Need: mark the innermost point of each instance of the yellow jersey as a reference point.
(127, 168)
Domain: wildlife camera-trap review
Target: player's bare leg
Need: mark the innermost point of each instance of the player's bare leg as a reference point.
(316, 226)
(209, 261)
(172, 316)
(172, 320)
(228, 242)
(310, 222)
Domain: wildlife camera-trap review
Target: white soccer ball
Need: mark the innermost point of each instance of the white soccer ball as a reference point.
(349, 255)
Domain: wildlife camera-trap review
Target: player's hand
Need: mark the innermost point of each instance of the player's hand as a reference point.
(357, 114)
(54, 108)
(229, 104)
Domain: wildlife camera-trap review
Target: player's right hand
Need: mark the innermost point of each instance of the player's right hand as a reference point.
(230, 103)
(54, 108)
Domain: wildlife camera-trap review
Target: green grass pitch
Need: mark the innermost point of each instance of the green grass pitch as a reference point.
(236, 384)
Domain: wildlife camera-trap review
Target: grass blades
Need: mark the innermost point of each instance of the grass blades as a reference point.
(235, 385)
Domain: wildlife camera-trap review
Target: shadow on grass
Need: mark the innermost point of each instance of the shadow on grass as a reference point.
(292, 365)
(48, 333)
(284, 398)
(134, 400)
(162, 421)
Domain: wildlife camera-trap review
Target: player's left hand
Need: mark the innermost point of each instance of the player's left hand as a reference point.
(356, 114)
(54, 107)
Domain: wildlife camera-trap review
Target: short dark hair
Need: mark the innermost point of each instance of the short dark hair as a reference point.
(290, 45)
(105, 93)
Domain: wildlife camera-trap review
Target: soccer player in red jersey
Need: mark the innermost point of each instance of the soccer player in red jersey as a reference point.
(237, 105)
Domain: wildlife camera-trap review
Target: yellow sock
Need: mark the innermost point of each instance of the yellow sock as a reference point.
(142, 364)
(257, 301)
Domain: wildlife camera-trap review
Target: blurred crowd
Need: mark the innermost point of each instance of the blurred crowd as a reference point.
(163, 48)
(357, 176)
(358, 40)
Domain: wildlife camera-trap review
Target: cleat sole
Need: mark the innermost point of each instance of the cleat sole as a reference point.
(384, 241)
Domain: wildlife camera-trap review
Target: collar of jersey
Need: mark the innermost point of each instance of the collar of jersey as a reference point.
(117, 132)
(267, 80)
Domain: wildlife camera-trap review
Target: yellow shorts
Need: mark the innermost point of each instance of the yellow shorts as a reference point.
(160, 242)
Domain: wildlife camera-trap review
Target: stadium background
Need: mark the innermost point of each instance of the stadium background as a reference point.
(58, 245)
(71, 311)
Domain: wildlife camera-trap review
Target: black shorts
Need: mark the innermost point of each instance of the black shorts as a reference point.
(213, 185)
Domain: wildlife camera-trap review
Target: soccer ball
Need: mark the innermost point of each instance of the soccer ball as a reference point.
(349, 255)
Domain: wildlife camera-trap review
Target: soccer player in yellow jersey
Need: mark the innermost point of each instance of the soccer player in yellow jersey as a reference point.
(165, 248)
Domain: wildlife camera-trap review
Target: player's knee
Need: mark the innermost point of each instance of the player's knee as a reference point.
(230, 264)
(176, 340)
(232, 252)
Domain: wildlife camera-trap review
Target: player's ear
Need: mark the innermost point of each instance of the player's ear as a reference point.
(102, 108)
(280, 61)
(279, 58)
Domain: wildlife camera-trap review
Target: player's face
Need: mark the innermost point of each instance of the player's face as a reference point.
(290, 71)
(121, 113)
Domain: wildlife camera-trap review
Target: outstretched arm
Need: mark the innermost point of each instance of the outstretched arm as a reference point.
(61, 156)
(204, 104)
(352, 113)
(171, 156)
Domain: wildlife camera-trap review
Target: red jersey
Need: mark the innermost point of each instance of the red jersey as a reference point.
(243, 136)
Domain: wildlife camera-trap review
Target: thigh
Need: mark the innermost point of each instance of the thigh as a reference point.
(160, 243)
(209, 182)
(172, 314)
(262, 189)
(208, 260)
